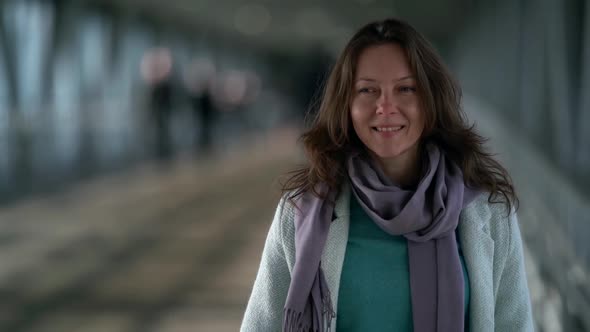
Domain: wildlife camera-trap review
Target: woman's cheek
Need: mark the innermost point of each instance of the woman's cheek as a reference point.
(364, 101)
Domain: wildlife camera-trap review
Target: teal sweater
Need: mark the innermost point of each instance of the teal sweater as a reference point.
(375, 283)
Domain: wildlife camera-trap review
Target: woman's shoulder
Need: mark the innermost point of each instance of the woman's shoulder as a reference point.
(287, 205)
(283, 225)
(493, 217)
(286, 215)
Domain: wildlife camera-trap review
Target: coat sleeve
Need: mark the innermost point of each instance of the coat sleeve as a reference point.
(264, 311)
(513, 310)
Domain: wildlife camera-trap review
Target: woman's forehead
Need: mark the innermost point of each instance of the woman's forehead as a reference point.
(383, 62)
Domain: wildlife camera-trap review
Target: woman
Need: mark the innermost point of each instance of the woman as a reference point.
(401, 221)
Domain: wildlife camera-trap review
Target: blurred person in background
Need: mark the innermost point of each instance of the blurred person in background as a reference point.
(235, 91)
(199, 83)
(156, 68)
(401, 221)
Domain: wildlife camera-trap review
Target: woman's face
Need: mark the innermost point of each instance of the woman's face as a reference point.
(386, 110)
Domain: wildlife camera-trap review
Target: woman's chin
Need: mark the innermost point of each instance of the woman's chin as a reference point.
(386, 154)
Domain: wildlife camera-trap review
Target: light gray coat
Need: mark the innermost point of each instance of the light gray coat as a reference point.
(492, 248)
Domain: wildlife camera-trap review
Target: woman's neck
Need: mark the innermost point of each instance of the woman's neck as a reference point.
(404, 170)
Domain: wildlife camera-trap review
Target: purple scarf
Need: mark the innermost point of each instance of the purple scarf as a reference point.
(427, 217)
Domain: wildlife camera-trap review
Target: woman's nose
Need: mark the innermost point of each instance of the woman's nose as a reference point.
(385, 103)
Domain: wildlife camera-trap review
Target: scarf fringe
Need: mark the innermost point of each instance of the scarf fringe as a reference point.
(293, 320)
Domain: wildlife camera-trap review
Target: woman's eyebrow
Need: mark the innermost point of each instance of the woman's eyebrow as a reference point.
(366, 79)
(405, 78)
(395, 80)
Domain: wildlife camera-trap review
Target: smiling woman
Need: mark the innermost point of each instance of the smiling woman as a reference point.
(400, 221)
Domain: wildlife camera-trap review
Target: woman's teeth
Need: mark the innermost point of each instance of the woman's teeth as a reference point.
(389, 128)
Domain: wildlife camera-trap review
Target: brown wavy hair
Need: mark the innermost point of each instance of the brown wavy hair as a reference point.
(331, 136)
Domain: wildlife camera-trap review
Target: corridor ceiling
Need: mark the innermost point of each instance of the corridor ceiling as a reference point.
(296, 25)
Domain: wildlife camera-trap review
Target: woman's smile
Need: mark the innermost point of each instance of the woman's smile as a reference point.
(388, 132)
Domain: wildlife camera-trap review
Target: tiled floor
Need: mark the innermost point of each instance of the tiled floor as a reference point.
(155, 249)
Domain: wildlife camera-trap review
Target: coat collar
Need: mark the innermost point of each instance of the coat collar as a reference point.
(335, 249)
(476, 243)
(342, 204)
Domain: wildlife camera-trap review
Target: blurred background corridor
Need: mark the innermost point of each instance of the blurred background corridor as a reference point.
(141, 143)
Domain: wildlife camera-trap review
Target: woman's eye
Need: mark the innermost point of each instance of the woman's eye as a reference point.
(366, 90)
(407, 89)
